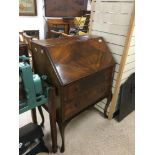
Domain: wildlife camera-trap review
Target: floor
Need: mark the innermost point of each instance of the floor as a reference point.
(91, 134)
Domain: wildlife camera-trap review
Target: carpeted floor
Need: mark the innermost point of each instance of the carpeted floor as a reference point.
(91, 134)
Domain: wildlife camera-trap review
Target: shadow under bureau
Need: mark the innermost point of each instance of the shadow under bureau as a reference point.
(80, 69)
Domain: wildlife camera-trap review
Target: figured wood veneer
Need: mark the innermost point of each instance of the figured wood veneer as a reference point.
(81, 70)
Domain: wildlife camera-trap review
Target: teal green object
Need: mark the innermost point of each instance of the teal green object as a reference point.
(37, 84)
(36, 94)
(23, 58)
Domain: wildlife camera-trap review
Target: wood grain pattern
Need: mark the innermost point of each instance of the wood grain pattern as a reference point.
(77, 62)
(81, 70)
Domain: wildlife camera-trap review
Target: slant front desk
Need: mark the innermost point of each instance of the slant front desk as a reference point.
(81, 70)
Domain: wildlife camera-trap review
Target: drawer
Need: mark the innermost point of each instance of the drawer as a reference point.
(84, 99)
(71, 108)
(71, 91)
(95, 81)
(86, 91)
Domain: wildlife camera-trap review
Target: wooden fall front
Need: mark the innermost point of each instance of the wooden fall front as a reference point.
(81, 71)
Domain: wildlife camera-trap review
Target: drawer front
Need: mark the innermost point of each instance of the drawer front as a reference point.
(86, 91)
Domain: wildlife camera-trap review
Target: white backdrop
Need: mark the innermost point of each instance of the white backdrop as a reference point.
(34, 22)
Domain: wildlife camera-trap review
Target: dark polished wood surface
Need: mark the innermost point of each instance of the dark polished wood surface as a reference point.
(55, 24)
(59, 41)
(23, 49)
(61, 8)
(80, 58)
(81, 70)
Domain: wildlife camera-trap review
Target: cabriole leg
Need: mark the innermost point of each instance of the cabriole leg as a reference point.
(42, 115)
(52, 117)
(107, 104)
(34, 116)
(62, 132)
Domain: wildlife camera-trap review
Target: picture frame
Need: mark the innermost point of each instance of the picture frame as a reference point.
(27, 8)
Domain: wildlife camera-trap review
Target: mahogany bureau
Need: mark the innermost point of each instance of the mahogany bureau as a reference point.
(81, 70)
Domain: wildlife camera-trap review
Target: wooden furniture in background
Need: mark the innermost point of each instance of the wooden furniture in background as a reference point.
(61, 8)
(68, 26)
(59, 24)
(23, 49)
(59, 34)
(32, 33)
(27, 36)
(81, 70)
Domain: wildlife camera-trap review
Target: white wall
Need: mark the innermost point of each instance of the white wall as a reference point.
(37, 22)
(129, 67)
(110, 19)
(34, 22)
